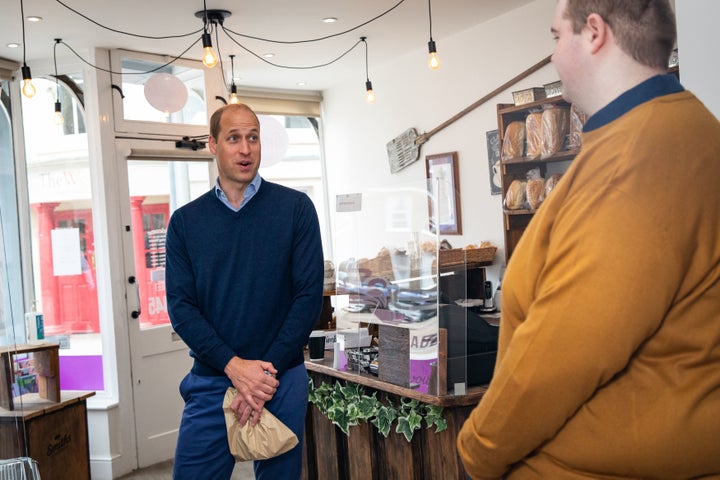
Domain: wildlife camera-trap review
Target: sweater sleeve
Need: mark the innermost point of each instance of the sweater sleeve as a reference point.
(595, 301)
(307, 284)
(184, 309)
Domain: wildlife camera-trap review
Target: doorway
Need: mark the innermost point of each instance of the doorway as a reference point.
(157, 183)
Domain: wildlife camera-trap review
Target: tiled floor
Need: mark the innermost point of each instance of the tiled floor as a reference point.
(163, 471)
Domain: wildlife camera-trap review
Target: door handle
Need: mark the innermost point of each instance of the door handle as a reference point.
(135, 313)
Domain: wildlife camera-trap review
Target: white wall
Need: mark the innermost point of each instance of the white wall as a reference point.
(474, 63)
(698, 46)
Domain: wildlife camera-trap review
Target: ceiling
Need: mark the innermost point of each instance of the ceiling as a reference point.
(403, 29)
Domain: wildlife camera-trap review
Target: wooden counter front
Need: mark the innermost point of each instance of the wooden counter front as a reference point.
(365, 454)
(53, 433)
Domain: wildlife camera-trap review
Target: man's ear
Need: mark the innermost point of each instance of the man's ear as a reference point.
(597, 32)
(212, 146)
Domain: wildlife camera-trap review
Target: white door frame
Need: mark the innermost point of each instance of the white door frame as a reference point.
(158, 357)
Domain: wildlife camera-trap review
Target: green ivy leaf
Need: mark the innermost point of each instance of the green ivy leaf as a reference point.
(339, 417)
(433, 416)
(384, 418)
(408, 423)
(367, 406)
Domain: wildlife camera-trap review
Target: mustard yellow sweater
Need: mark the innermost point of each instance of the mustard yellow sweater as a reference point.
(609, 352)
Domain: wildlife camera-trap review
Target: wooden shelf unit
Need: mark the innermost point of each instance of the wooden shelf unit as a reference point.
(516, 221)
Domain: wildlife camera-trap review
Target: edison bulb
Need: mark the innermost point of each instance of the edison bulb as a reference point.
(28, 89)
(433, 61)
(234, 98)
(58, 116)
(209, 59)
(369, 94)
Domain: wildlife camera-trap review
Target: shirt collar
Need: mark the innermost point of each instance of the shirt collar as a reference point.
(651, 88)
(250, 191)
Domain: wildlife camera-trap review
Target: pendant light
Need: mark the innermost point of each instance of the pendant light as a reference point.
(233, 89)
(209, 58)
(57, 116)
(28, 89)
(213, 18)
(433, 60)
(369, 94)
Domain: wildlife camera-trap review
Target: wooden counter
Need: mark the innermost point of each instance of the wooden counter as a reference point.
(365, 453)
(53, 433)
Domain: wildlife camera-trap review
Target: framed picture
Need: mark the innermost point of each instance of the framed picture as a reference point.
(443, 188)
(493, 148)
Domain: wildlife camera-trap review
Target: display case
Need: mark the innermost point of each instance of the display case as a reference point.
(406, 310)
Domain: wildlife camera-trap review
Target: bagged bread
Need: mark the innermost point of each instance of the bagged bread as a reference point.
(535, 192)
(516, 195)
(555, 125)
(550, 183)
(513, 141)
(533, 135)
(268, 439)
(577, 120)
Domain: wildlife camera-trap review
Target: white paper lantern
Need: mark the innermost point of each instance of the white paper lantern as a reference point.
(166, 92)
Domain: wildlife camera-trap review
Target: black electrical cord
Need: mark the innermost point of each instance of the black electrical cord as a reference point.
(130, 73)
(163, 37)
(290, 66)
(309, 40)
(228, 32)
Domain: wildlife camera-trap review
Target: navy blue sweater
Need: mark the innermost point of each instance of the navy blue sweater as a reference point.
(246, 283)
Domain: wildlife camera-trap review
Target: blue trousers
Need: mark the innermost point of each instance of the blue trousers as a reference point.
(202, 450)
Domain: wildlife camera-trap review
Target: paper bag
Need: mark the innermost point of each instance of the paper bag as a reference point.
(269, 438)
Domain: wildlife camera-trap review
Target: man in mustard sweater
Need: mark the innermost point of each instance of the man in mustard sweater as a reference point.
(609, 351)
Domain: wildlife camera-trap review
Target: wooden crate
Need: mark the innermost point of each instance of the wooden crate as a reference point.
(54, 434)
(47, 369)
(394, 355)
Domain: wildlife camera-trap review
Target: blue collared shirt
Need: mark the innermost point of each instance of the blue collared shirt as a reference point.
(250, 192)
(653, 87)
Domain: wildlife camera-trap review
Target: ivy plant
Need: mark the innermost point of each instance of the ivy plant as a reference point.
(348, 405)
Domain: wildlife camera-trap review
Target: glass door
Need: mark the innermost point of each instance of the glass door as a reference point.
(157, 184)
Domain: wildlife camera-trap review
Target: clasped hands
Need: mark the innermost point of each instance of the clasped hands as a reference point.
(256, 384)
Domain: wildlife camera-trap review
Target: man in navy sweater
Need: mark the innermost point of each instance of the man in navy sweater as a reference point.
(244, 286)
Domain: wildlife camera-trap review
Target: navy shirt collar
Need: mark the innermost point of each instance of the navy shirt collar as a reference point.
(651, 88)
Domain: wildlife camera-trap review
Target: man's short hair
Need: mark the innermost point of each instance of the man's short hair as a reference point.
(217, 116)
(644, 29)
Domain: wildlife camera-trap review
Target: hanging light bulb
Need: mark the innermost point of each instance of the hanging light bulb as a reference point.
(433, 61)
(211, 19)
(233, 94)
(58, 116)
(28, 89)
(209, 58)
(233, 89)
(369, 94)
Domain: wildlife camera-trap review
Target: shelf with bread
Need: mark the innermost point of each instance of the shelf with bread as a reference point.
(538, 140)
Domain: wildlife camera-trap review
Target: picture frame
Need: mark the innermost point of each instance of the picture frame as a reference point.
(443, 187)
(493, 148)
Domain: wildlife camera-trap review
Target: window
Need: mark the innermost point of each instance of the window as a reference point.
(12, 325)
(62, 233)
(156, 97)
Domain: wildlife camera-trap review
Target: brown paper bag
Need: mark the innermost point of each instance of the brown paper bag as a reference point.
(269, 438)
